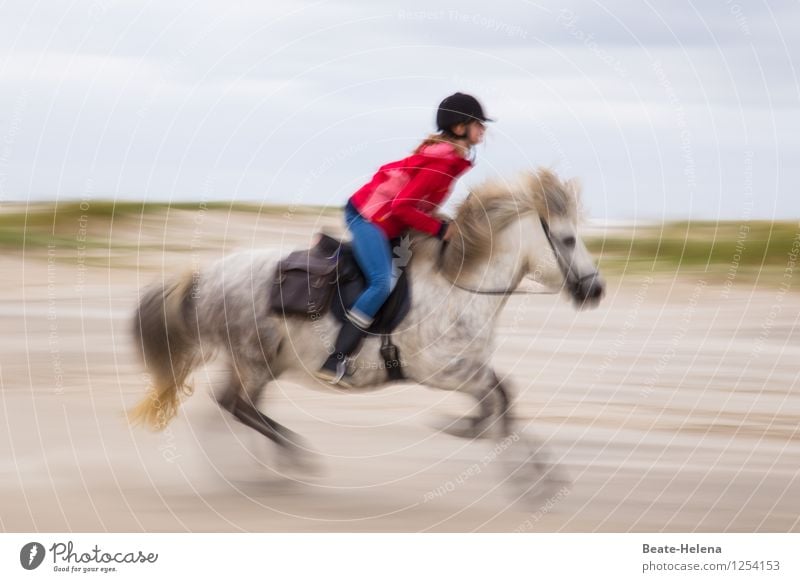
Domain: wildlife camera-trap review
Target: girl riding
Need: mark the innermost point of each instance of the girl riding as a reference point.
(402, 195)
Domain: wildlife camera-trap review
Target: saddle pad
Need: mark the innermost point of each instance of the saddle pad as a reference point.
(303, 284)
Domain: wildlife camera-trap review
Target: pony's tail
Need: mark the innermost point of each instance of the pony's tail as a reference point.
(168, 348)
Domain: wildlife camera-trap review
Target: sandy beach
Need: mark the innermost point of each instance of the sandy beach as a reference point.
(674, 406)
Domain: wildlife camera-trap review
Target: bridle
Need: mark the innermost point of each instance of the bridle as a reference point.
(570, 279)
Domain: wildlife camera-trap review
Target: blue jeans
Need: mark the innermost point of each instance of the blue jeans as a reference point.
(373, 253)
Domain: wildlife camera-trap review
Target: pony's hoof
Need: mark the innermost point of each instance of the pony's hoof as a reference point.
(544, 498)
(465, 427)
(536, 479)
(299, 463)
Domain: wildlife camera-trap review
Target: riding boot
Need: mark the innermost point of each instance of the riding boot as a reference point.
(334, 370)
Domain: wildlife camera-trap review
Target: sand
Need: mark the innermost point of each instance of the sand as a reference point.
(674, 406)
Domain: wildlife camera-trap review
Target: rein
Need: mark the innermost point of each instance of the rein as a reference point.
(507, 291)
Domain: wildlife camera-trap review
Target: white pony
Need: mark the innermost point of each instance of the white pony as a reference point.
(506, 231)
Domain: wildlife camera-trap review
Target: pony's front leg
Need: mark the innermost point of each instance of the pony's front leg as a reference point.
(525, 462)
(493, 407)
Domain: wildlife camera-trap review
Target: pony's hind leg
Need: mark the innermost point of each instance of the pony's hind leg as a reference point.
(245, 385)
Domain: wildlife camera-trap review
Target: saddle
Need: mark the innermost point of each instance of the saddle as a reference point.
(326, 277)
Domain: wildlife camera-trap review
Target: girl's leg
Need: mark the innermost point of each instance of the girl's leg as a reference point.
(374, 255)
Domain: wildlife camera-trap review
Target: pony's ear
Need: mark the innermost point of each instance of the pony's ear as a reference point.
(574, 185)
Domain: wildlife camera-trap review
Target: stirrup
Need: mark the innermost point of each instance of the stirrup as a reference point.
(337, 378)
(342, 377)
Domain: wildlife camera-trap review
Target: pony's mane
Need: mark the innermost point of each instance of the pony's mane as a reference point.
(493, 205)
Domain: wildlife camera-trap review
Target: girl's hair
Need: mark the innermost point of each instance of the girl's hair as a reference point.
(442, 137)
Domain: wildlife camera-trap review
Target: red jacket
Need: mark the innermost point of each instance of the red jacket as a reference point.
(403, 194)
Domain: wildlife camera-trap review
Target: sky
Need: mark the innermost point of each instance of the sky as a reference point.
(665, 110)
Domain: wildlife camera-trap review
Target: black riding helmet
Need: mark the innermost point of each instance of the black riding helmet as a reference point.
(458, 108)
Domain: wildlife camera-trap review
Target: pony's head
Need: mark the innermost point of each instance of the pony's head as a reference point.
(557, 206)
(533, 223)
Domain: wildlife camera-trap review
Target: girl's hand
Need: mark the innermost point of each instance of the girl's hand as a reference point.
(448, 234)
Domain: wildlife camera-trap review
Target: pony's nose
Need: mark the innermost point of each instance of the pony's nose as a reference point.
(594, 288)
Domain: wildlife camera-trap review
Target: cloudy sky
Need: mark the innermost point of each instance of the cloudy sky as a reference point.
(665, 109)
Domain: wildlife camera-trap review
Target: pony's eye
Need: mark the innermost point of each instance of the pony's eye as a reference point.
(569, 242)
